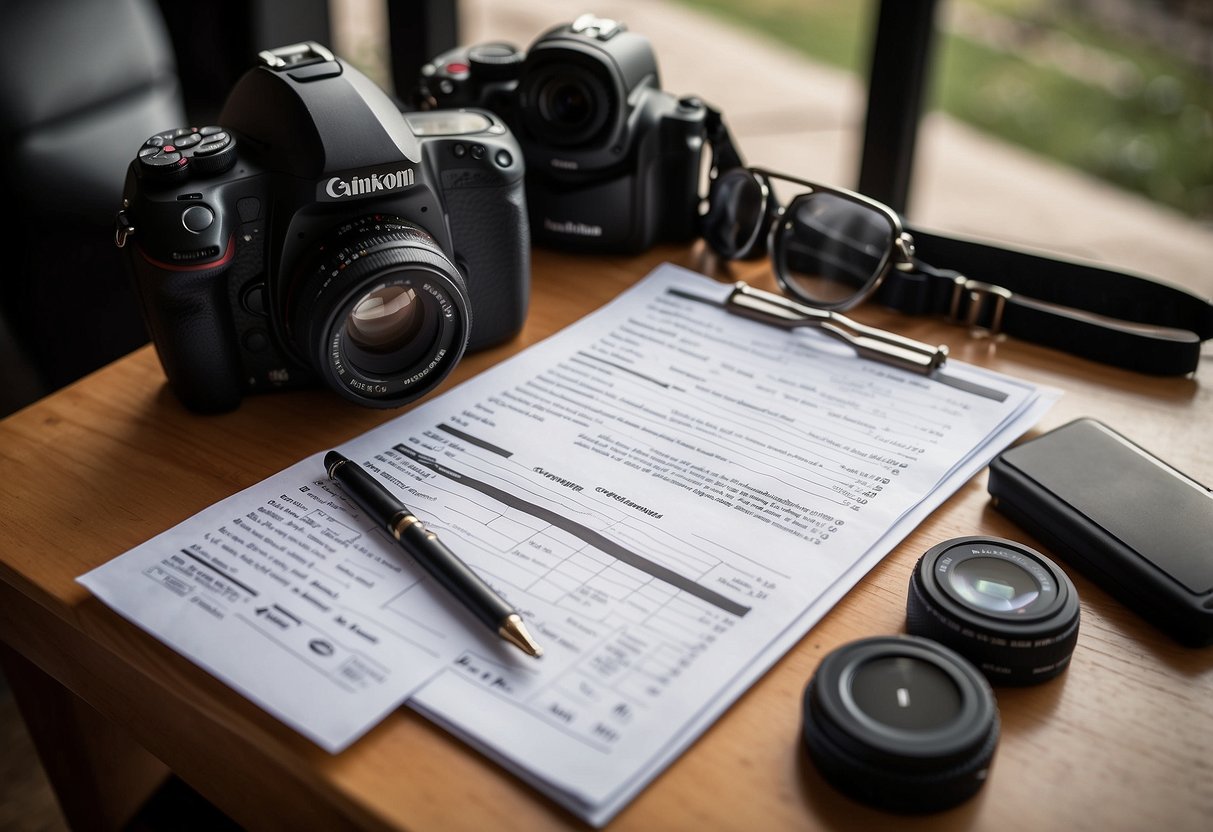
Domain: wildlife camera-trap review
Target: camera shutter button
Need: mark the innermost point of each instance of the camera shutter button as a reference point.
(197, 218)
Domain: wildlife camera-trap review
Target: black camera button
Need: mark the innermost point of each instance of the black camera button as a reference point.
(213, 144)
(477, 151)
(503, 159)
(164, 166)
(215, 154)
(163, 159)
(187, 141)
(459, 149)
(249, 208)
(256, 340)
(197, 218)
(253, 298)
(210, 130)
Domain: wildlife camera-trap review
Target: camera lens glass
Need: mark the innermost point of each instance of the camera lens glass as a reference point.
(901, 723)
(379, 312)
(1006, 607)
(564, 101)
(994, 585)
(385, 329)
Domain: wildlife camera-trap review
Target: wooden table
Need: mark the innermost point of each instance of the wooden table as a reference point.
(1122, 740)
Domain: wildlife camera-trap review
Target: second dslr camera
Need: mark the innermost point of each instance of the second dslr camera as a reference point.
(613, 162)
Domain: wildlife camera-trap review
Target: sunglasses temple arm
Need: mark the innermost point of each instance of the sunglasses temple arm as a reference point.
(867, 341)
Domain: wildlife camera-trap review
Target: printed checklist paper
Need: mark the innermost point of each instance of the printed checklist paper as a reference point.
(671, 496)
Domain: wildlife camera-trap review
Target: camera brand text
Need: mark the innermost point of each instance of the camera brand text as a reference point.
(338, 188)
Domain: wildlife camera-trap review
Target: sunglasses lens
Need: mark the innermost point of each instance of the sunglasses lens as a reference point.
(736, 215)
(830, 250)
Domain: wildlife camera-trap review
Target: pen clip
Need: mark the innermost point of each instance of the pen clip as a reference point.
(869, 342)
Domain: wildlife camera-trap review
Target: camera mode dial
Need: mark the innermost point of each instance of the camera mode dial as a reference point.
(495, 61)
(170, 157)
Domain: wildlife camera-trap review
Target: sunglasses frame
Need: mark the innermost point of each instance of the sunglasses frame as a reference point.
(900, 254)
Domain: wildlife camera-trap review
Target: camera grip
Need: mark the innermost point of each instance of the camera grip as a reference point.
(491, 236)
(187, 317)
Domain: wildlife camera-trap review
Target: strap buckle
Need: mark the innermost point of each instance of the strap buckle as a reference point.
(973, 296)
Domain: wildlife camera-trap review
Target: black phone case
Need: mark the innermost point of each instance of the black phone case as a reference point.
(1130, 522)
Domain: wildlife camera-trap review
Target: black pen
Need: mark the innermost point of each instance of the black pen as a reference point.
(425, 547)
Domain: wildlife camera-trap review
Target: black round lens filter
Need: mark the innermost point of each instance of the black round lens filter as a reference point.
(901, 723)
(1004, 606)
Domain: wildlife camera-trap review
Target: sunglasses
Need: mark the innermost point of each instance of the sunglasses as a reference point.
(832, 249)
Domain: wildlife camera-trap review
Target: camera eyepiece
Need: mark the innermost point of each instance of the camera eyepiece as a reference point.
(380, 313)
(1006, 607)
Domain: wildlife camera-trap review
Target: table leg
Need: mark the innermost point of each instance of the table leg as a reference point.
(100, 776)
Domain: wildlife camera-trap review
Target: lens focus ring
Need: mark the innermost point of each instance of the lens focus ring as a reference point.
(382, 318)
(1004, 606)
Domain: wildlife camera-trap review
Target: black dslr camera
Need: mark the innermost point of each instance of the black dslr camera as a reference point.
(613, 162)
(319, 235)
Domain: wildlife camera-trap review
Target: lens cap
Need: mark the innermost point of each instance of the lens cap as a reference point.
(901, 723)
(1004, 606)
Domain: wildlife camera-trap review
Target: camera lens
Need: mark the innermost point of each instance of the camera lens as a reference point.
(901, 723)
(379, 312)
(384, 329)
(1006, 607)
(564, 103)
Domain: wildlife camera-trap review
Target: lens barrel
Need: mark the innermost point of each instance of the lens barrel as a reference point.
(567, 101)
(901, 723)
(379, 312)
(1006, 607)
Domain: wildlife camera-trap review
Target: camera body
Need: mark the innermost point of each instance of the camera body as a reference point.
(319, 235)
(613, 162)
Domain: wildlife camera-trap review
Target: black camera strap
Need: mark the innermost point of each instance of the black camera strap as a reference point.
(724, 154)
(724, 150)
(1097, 313)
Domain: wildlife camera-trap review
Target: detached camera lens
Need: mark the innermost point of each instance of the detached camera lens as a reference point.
(1006, 607)
(901, 723)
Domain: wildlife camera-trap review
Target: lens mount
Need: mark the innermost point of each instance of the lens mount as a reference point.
(900, 723)
(379, 312)
(1006, 607)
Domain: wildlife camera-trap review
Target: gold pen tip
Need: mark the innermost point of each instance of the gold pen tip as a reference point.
(515, 632)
